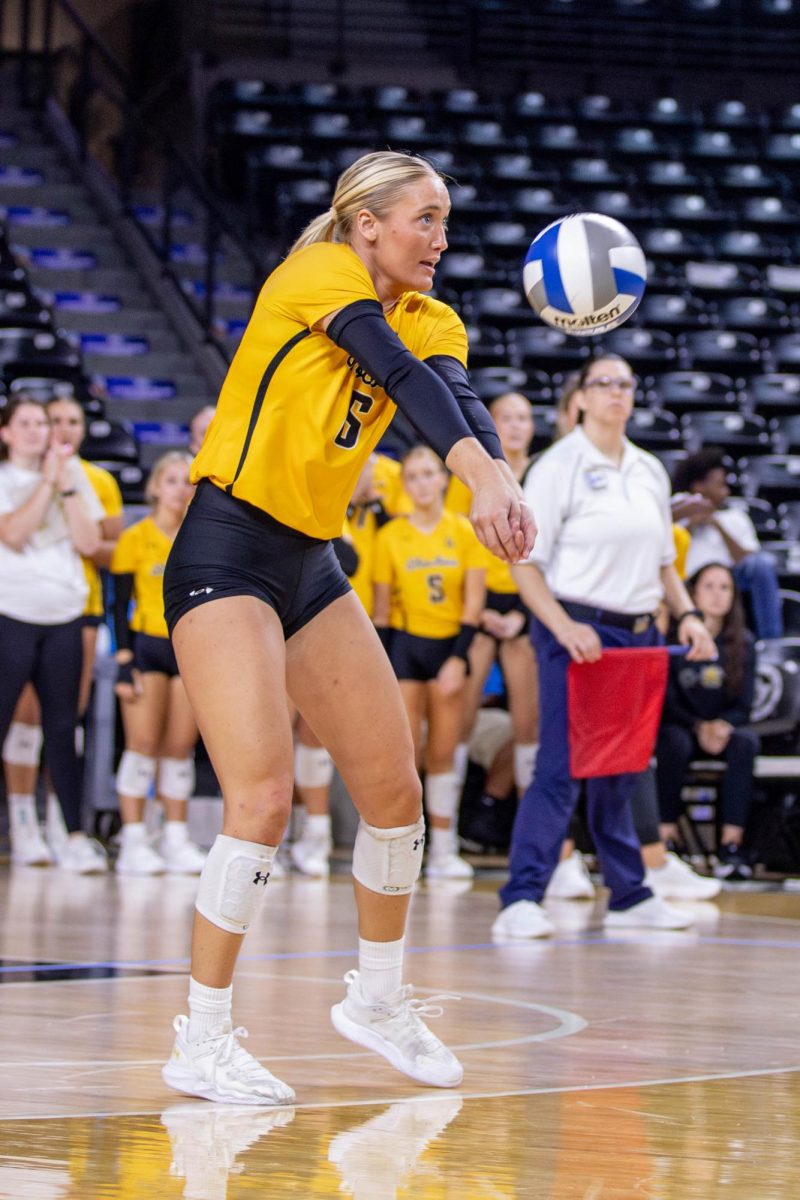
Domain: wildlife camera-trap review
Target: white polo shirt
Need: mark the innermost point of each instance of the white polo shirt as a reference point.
(604, 531)
(708, 545)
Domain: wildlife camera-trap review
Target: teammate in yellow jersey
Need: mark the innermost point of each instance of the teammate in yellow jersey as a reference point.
(503, 625)
(160, 730)
(429, 590)
(257, 603)
(22, 747)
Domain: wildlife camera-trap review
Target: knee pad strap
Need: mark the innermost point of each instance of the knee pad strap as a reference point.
(388, 861)
(233, 882)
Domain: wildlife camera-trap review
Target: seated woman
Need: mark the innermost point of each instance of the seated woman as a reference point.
(705, 711)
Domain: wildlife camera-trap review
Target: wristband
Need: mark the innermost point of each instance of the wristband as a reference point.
(464, 641)
(68, 492)
(690, 612)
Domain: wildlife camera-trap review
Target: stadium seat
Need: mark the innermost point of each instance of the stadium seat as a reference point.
(624, 206)
(773, 477)
(506, 240)
(129, 476)
(788, 516)
(682, 391)
(490, 382)
(654, 430)
(112, 441)
(782, 148)
(538, 345)
(776, 703)
(692, 208)
(674, 243)
(774, 392)
(786, 556)
(712, 278)
(673, 312)
(786, 433)
(563, 138)
(750, 245)
(732, 430)
(460, 271)
(500, 307)
(465, 102)
(790, 607)
(785, 280)
(26, 351)
(721, 349)
(409, 131)
(599, 109)
(788, 117)
(712, 145)
(769, 210)
(21, 309)
(511, 171)
(669, 459)
(544, 421)
(785, 351)
(761, 513)
(593, 172)
(744, 178)
(539, 203)
(395, 99)
(670, 173)
(642, 347)
(487, 346)
(670, 111)
(735, 114)
(754, 313)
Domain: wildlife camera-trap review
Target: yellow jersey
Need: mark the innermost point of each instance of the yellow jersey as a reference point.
(360, 528)
(426, 573)
(107, 491)
(297, 417)
(387, 480)
(681, 538)
(142, 551)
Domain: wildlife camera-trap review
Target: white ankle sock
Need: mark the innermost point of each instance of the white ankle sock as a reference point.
(317, 825)
(441, 842)
(209, 1009)
(380, 967)
(176, 833)
(22, 812)
(133, 832)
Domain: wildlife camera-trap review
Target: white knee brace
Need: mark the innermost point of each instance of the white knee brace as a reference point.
(524, 763)
(23, 745)
(136, 774)
(388, 861)
(313, 766)
(233, 882)
(176, 778)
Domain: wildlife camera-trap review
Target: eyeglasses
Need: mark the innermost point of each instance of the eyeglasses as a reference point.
(604, 382)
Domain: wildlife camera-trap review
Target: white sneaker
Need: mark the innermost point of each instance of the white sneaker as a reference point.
(677, 881)
(28, 847)
(448, 866)
(182, 858)
(311, 855)
(206, 1140)
(523, 919)
(138, 858)
(83, 856)
(394, 1028)
(570, 880)
(218, 1068)
(376, 1158)
(652, 913)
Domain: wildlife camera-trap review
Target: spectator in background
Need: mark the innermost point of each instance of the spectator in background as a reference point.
(49, 517)
(705, 714)
(567, 409)
(727, 536)
(198, 426)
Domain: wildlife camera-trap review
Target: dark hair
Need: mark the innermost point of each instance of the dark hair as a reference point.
(733, 636)
(7, 412)
(601, 356)
(696, 468)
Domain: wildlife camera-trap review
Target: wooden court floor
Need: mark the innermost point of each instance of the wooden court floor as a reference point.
(597, 1066)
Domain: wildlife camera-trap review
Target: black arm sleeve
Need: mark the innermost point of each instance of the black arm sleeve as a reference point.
(123, 590)
(361, 329)
(454, 374)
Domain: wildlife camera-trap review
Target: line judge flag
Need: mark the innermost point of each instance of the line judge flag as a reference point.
(614, 709)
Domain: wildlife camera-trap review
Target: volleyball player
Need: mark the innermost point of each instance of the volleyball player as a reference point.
(429, 588)
(160, 729)
(257, 602)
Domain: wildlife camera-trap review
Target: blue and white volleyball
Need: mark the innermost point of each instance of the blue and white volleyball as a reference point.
(584, 274)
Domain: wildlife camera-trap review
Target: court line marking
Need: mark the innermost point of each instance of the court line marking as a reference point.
(432, 1099)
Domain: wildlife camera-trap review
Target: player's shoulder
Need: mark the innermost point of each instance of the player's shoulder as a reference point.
(320, 259)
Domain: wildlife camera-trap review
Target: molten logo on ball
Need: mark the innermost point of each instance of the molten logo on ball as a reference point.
(584, 274)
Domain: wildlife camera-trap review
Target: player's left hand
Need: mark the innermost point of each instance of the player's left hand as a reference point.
(693, 633)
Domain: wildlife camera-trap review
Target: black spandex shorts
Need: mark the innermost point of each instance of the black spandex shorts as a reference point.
(226, 547)
(154, 654)
(506, 602)
(418, 658)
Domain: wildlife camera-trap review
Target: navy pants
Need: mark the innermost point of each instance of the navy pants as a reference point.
(677, 746)
(544, 812)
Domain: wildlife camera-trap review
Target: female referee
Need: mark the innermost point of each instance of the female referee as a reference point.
(257, 603)
(429, 587)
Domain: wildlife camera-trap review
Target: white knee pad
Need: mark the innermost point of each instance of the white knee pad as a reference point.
(442, 794)
(176, 778)
(388, 861)
(524, 763)
(313, 766)
(23, 745)
(233, 882)
(136, 774)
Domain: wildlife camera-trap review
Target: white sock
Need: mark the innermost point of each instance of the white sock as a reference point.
(175, 833)
(133, 832)
(380, 968)
(209, 1009)
(442, 795)
(441, 842)
(461, 762)
(318, 825)
(22, 812)
(524, 764)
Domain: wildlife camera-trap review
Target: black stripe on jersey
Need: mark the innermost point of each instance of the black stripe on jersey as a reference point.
(266, 380)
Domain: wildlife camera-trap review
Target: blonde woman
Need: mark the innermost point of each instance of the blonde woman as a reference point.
(257, 603)
(160, 730)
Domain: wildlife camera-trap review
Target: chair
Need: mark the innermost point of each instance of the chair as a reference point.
(461, 270)
(593, 172)
(784, 280)
(544, 422)
(790, 605)
(734, 114)
(788, 117)
(641, 141)
(507, 171)
(788, 517)
(682, 391)
(487, 346)
(562, 138)
(770, 210)
(712, 145)
(773, 477)
(669, 459)
(774, 392)
(542, 203)
(786, 557)
(731, 430)
(654, 430)
(625, 206)
(130, 478)
(671, 312)
(461, 101)
(602, 110)
(711, 278)
(27, 350)
(751, 245)
(111, 441)
(500, 307)
(669, 111)
(776, 702)
(675, 243)
(785, 351)
(755, 313)
(409, 130)
(744, 178)
(670, 173)
(782, 148)
(721, 349)
(506, 240)
(761, 513)
(490, 382)
(642, 347)
(21, 309)
(692, 208)
(786, 433)
(537, 345)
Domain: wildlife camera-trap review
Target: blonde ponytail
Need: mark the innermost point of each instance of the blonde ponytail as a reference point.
(320, 229)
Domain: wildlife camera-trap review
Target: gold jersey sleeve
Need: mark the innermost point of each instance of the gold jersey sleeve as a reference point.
(682, 538)
(142, 551)
(107, 491)
(297, 417)
(426, 573)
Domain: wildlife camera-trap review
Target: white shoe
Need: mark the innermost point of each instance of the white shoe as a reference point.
(523, 919)
(653, 913)
(28, 847)
(677, 881)
(448, 866)
(376, 1158)
(311, 855)
(394, 1028)
(206, 1140)
(570, 880)
(83, 856)
(138, 858)
(218, 1068)
(182, 858)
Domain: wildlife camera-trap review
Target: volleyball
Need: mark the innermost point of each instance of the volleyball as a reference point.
(584, 274)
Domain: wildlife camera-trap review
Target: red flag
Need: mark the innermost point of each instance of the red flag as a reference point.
(614, 709)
